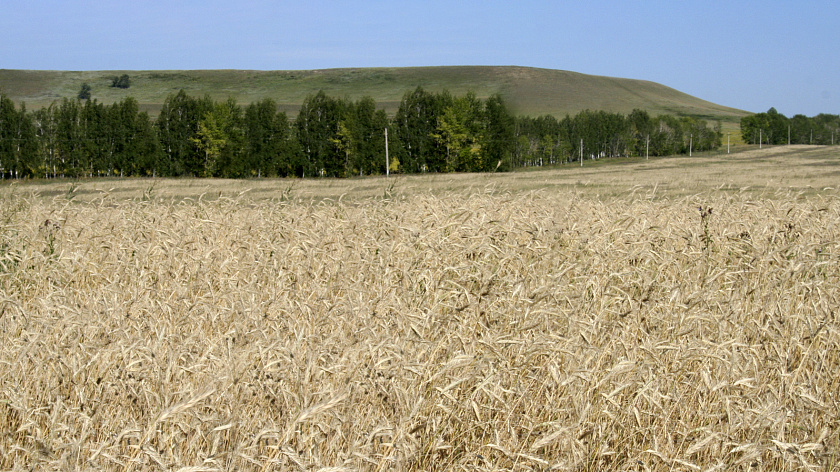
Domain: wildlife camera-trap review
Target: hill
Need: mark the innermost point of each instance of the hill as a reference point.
(528, 91)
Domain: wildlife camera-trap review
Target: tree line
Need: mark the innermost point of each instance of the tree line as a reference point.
(773, 127)
(595, 134)
(335, 137)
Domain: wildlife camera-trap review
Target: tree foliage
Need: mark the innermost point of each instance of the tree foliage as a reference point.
(773, 127)
(596, 134)
(270, 147)
(123, 81)
(339, 137)
(84, 92)
(18, 147)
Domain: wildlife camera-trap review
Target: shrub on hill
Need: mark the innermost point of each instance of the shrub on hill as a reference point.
(123, 82)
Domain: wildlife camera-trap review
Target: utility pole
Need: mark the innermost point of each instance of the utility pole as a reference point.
(387, 162)
(728, 135)
(647, 146)
(690, 143)
(759, 138)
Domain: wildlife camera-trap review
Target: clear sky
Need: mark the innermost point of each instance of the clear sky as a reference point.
(751, 55)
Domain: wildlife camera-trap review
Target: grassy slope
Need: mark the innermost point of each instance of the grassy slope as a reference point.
(528, 91)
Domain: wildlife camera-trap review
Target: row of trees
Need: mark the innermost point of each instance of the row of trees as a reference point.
(594, 134)
(74, 138)
(334, 137)
(775, 128)
(430, 132)
(201, 137)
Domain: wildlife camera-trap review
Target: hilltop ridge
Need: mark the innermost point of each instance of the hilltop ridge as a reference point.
(527, 90)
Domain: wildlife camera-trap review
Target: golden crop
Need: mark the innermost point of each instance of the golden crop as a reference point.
(461, 331)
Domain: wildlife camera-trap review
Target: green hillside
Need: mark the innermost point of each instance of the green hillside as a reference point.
(528, 91)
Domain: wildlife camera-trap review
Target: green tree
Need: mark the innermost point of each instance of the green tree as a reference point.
(498, 137)
(269, 142)
(210, 139)
(46, 134)
(177, 126)
(415, 123)
(800, 129)
(826, 127)
(525, 129)
(703, 138)
(366, 125)
(668, 137)
(452, 134)
(522, 151)
(460, 131)
(317, 125)
(777, 127)
(344, 142)
(131, 144)
(765, 128)
(84, 92)
(639, 131)
(123, 81)
(95, 123)
(69, 138)
(144, 147)
(219, 137)
(8, 120)
(473, 158)
(18, 145)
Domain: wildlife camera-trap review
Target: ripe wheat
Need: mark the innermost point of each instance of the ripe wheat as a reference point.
(538, 331)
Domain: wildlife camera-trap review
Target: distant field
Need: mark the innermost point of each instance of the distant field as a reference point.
(662, 315)
(529, 91)
(749, 170)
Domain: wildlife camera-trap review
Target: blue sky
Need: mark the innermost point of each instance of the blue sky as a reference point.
(745, 54)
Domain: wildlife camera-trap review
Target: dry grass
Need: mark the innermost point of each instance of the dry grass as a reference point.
(544, 330)
(758, 173)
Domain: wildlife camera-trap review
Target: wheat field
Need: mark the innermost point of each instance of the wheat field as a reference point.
(477, 330)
